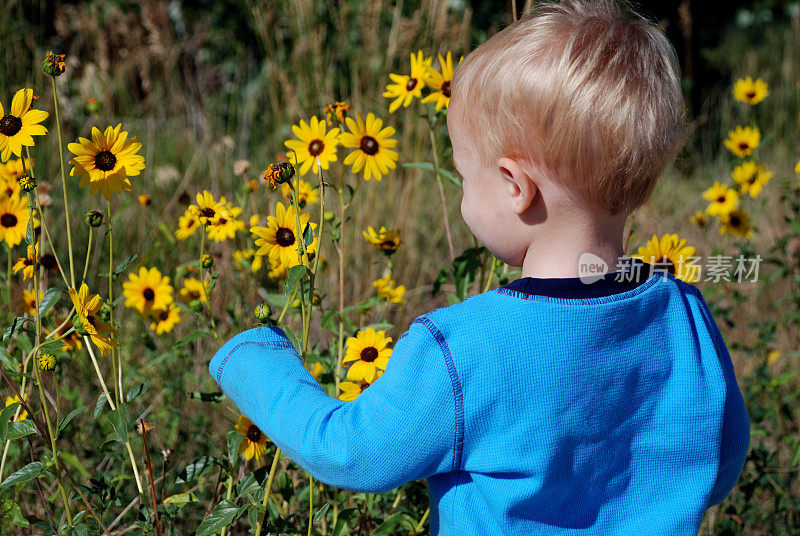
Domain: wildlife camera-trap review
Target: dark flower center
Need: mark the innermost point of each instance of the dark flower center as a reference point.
(388, 244)
(105, 161)
(284, 237)
(10, 125)
(411, 84)
(163, 316)
(750, 94)
(369, 145)
(148, 294)
(316, 147)
(743, 145)
(90, 319)
(446, 88)
(369, 354)
(221, 221)
(735, 221)
(752, 179)
(254, 433)
(206, 213)
(721, 199)
(8, 220)
(49, 261)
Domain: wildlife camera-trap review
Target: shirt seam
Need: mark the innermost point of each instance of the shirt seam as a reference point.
(582, 301)
(458, 397)
(278, 344)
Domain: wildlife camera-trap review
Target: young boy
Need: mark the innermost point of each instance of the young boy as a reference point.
(549, 406)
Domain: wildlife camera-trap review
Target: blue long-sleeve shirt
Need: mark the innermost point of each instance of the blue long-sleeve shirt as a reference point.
(545, 407)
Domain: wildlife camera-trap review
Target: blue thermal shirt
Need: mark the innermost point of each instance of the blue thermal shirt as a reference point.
(546, 407)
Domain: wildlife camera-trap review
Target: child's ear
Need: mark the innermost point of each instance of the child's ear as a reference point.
(519, 184)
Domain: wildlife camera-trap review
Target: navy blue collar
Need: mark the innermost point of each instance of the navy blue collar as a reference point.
(575, 288)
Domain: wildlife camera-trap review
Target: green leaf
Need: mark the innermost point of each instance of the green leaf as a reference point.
(29, 235)
(66, 420)
(293, 338)
(20, 429)
(137, 391)
(118, 419)
(5, 416)
(17, 323)
(428, 166)
(196, 469)
(7, 360)
(388, 527)
(220, 517)
(27, 473)
(379, 326)
(217, 396)
(319, 514)
(50, 298)
(234, 440)
(196, 334)
(342, 523)
(14, 513)
(181, 499)
(308, 235)
(18, 374)
(99, 405)
(294, 276)
(124, 264)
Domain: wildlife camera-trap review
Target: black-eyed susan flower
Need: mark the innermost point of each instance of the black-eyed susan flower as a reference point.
(87, 312)
(14, 218)
(351, 390)
(187, 224)
(369, 353)
(723, 199)
(225, 224)
(306, 194)
(27, 264)
(440, 82)
(193, 289)
(145, 200)
(315, 370)
(751, 177)
(386, 240)
(408, 87)
(389, 289)
(13, 170)
(743, 141)
(278, 241)
(372, 145)
(147, 291)
(207, 208)
(164, 320)
(736, 223)
(105, 162)
(10, 188)
(254, 442)
(671, 254)
(68, 336)
(22, 413)
(18, 127)
(315, 145)
(699, 219)
(29, 300)
(750, 91)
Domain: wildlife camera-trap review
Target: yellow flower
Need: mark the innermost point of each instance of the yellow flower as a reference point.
(254, 443)
(18, 127)
(700, 219)
(772, 357)
(225, 225)
(337, 110)
(105, 162)
(737, 223)
(145, 200)
(315, 370)
(14, 219)
(187, 224)
(723, 199)
(147, 291)
(743, 141)
(28, 264)
(440, 82)
(368, 350)
(86, 308)
(797, 167)
(30, 299)
(278, 240)
(9, 187)
(387, 240)
(315, 145)
(22, 413)
(388, 288)
(351, 390)
(672, 254)
(194, 290)
(748, 91)
(165, 319)
(71, 341)
(306, 193)
(405, 87)
(372, 144)
(13, 170)
(207, 208)
(751, 177)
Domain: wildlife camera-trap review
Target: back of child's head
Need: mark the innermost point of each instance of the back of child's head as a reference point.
(592, 93)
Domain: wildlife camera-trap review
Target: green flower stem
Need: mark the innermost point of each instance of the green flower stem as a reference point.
(435, 151)
(203, 288)
(310, 503)
(50, 241)
(88, 254)
(113, 406)
(38, 320)
(268, 490)
(229, 485)
(340, 250)
(117, 371)
(8, 282)
(63, 183)
(422, 521)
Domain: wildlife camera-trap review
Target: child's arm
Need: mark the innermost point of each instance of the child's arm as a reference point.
(401, 428)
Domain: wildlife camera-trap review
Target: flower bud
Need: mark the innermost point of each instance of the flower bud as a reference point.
(315, 299)
(93, 218)
(105, 312)
(47, 362)
(196, 306)
(206, 261)
(93, 105)
(53, 64)
(328, 216)
(77, 323)
(262, 311)
(26, 183)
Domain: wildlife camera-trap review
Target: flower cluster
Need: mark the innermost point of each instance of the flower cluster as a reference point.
(369, 354)
(150, 294)
(405, 88)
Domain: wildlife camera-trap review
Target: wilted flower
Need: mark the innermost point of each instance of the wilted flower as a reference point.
(53, 64)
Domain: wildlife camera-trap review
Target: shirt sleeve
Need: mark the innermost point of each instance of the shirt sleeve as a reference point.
(401, 428)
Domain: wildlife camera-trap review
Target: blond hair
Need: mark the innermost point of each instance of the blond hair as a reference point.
(593, 94)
